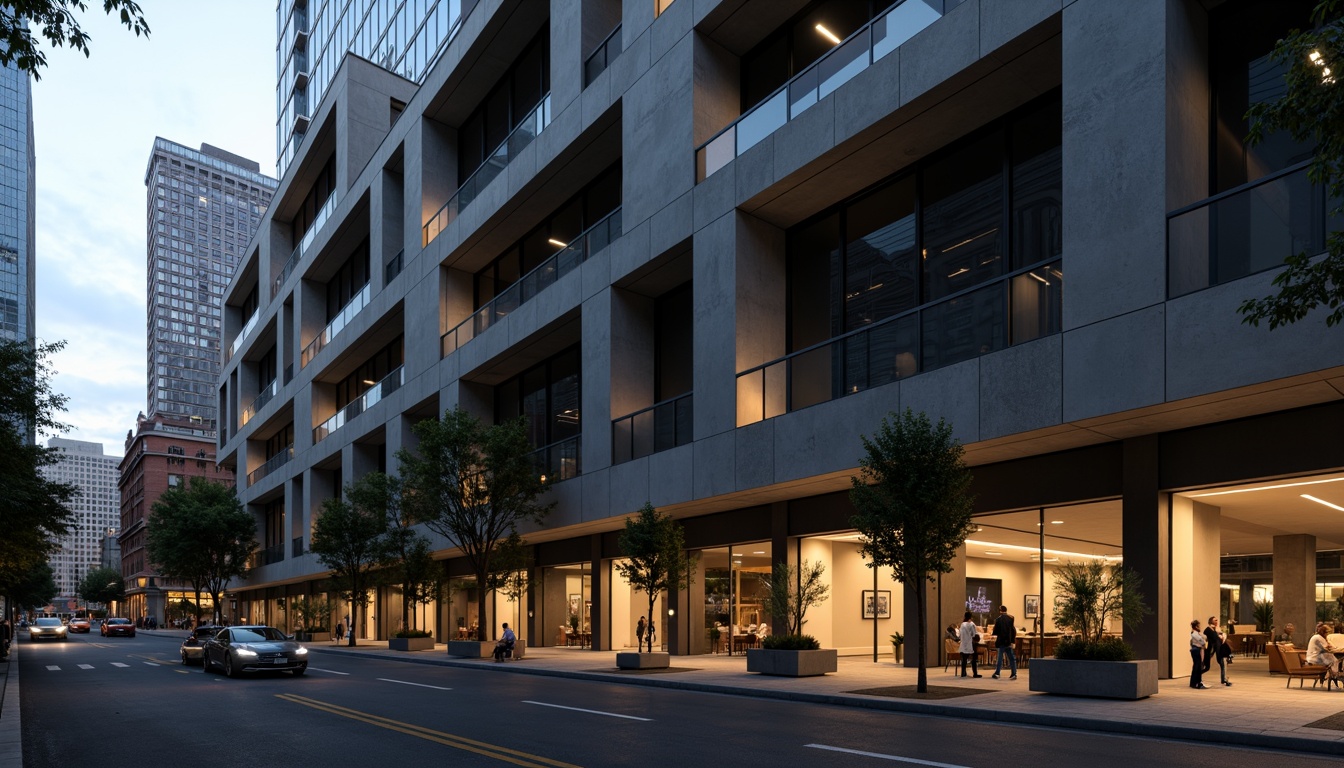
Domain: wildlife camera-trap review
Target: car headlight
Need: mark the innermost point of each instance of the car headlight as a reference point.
(301, 651)
(245, 652)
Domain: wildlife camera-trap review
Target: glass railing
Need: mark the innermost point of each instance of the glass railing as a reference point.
(1246, 230)
(275, 462)
(393, 268)
(371, 397)
(965, 325)
(268, 555)
(267, 392)
(838, 66)
(528, 129)
(650, 430)
(598, 61)
(297, 255)
(558, 461)
(352, 308)
(589, 242)
(242, 335)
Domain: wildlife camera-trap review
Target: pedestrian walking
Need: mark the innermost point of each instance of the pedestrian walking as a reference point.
(639, 634)
(1197, 643)
(340, 632)
(969, 637)
(1005, 635)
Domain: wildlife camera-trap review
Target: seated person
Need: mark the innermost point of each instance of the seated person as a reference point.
(1287, 635)
(505, 645)
(1319, 652)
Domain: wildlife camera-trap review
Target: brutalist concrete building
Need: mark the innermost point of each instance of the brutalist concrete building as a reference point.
(704, 246)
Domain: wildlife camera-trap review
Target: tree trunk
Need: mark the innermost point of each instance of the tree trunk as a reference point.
(922, 684)
(355, 593)
(648, 631)
(480, 607)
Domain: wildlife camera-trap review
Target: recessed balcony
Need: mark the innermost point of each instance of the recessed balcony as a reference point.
(390, 383)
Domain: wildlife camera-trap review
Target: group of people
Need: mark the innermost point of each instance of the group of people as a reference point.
(1206, 647)
(1005, 636)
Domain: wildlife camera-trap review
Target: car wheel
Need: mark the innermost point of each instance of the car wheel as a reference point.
(185, 661)
(228, 666)
(206, 664)
(299, 672)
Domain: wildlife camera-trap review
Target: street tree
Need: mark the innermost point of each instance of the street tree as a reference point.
(913, 502)
(793, 590)
(408, 559)
(473, 484)
(509, 567)
(1311, 111)
(350, 538)
(35, 509)
(34, 588)
(24, 23)
(102, 585)
(654, 547)
(201, 534)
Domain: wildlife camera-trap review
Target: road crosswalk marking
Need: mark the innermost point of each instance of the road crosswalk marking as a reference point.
(150, 663)
(53, 668)
(119, 664)
(86, 666)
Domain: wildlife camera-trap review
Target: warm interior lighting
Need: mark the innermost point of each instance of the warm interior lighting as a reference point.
(1056, 522)
(1037, 550)
(828, 34)
(1268, 487)
(961, 271)
(759, 552)
(1037, 277)
(370, 382)
(1322, 501)
(993, 554)
(556, 243)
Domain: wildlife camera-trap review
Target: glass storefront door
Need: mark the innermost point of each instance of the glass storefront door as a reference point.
(736, 609)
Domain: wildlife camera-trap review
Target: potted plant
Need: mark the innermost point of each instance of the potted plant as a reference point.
(1264, 615)
(793, 654)
(897, 640)
(1091, 663)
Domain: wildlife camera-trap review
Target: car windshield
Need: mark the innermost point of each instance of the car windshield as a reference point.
(118, 621)
(48, 622)
(257, 635)
(204, 632)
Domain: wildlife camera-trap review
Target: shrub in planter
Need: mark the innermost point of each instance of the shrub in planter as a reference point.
(413, 633)
(790, 643)
(1105, 649)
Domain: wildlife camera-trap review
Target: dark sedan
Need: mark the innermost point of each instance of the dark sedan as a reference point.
(253, 649)
(122, 627)
(193, 648)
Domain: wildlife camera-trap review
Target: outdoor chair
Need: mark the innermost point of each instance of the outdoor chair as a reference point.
(1302, 671)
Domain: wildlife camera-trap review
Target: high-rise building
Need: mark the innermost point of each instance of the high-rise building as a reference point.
(18, 273)
(401, 36)
(202, 207)
(96, 509)
(703, 269)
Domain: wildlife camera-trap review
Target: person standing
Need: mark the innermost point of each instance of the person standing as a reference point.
(1005, 635)
(639, 635)
(1213, 649)
(340, 632)
(968, 638)
(1197, 643)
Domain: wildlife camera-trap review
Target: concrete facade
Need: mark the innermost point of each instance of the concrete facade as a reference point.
(1129, 376)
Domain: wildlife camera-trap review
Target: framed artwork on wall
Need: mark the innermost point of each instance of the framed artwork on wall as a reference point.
(1031, 606)
(877, 604)
(574, 604)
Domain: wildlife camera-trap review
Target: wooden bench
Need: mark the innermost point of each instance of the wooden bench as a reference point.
(1296, 669)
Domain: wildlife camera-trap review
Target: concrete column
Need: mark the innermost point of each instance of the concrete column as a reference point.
(1295, 585)
(1195, 537)
(1246, 603)
(566, 53)
(601, 596)
(1145, 535)
(779, 553)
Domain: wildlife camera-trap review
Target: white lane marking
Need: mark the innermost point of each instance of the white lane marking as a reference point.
(119, 664)
(53, 668)
(329, 671)
(150, 663)
(418, 685)
(86, 666)
(881, 756)
(590, 711)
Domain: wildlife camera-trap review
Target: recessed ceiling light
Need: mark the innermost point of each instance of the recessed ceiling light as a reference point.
(1322, 501)
(1268, 487)
(828, 34)
(759, 552)
(1056, 522)
(556, 243)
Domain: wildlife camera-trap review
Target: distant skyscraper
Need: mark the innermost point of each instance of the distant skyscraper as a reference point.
(18, 277)
(202, 208)
(97, 511)
(402, 36)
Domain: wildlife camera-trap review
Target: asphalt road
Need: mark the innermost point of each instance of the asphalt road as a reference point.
(130, 700)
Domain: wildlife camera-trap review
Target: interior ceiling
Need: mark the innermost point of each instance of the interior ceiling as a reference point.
(1251, 515)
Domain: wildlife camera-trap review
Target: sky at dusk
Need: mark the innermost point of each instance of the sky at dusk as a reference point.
(206, 74)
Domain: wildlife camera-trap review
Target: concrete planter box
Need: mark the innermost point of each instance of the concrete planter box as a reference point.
(1130, 680)
(312, 637)
(792, 663)
(643, 660)
(410, 643)
(477, 649)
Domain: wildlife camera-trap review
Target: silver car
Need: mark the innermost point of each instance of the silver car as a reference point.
(48, 627)
(253, 649)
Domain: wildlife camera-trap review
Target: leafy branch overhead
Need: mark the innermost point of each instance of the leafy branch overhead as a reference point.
(56, 21)
(1311, 111)
(201, 534)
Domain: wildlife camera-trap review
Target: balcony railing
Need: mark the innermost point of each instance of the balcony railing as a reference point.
(393, 268)
(275, 462)
(297, 255)
(390, 383)
(589, 242)
(528, 129)
(272, 554)
(965, 325)
(657, 428)
(1246, 230)
(260, 401)
(558, 461)
(352, 308)
(838, 66)
(602, 57)
(296, 547)
(242, 335)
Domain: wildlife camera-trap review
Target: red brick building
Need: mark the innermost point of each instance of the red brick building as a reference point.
(162, 453)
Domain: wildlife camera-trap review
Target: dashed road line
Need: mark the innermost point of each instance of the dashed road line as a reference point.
(880, 756)
(119, 664)
(418, 685)
(86, 666)
(53, 668)
(328, 671)
(591, 711)
(149, 663)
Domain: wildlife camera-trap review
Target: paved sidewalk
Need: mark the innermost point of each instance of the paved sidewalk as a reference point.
(11, 732)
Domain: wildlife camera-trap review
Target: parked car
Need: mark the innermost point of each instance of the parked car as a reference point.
(47, 627)
(79, 625)
(252, 649)
(122, 627)
(193, 648)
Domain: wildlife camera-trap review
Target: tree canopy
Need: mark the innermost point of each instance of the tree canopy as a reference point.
(793, 590)
(654, 546)
(473, 484)
(1311, 110)
(914, 505)
(350, 538)
(407, 557)
(24, 23)
(33, 588)
(201, 534)
(102, 585)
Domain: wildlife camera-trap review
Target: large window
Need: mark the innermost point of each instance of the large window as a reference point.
(507, 104)
(369, 373)
(348, 280)
(548, 395)
(800, 41)
(322, 188)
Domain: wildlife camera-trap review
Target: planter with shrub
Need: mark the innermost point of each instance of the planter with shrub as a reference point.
(411, 640)
(791, 656)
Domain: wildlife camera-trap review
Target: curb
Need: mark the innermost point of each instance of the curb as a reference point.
(1118, 727)
(11, 727)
